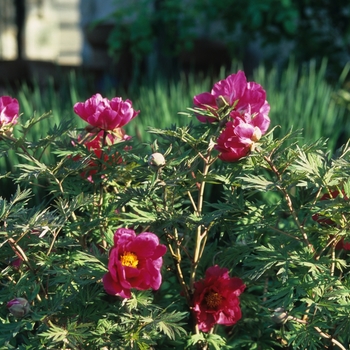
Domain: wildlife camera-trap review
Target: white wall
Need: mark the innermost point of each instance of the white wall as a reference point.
(52, 31)
(8, 48)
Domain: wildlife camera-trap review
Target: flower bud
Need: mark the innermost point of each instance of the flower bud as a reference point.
(279, 315)
(156, 160)
(19, 307)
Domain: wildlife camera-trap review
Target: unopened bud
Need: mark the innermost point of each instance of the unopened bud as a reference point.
(156, 160)
(19, 307)
(279, 315)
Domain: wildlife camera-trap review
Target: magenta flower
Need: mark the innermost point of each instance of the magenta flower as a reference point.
(248, 119)
(9, 109)
(215, 299)
(236, 92)
(105, 114)
(19, 307)
(239, 136)
(205, 101)
(134, 262)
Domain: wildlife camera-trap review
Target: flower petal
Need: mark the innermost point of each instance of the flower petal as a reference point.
(113, 287)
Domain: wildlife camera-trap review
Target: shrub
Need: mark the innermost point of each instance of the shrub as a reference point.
(135, 255)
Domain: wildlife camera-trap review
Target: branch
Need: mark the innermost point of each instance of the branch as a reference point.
(319, 331)
(289, 203)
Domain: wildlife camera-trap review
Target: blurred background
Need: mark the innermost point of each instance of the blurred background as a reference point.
(133, 38)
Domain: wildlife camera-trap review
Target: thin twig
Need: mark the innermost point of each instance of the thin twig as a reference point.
(320, 332)
(16, 248)
(192, 202)
(284, 233)
(177, 262)
(53, 241)
(289, 203)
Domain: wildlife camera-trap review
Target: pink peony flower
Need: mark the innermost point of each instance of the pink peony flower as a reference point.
(19, 307)
(235, 91)
(134, 262)
(9, 109)
(238, 137)
(105, 114)
(215, 299)
(205, 101)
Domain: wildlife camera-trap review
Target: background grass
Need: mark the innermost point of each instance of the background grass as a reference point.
(300, 98)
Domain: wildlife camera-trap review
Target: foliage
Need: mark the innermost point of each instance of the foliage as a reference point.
(140, 26)
(315, 29)
(325, 22)
(254, 217)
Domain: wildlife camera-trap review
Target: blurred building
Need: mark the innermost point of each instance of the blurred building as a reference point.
(51, 32)
(74, 32)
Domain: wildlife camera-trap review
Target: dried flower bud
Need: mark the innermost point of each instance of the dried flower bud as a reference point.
(156, 160)
(19, 307)
(279, 315)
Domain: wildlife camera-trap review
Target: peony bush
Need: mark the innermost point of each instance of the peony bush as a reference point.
(214, 236)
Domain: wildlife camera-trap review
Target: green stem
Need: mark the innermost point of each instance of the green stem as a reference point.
(200, 234)
(101, 192)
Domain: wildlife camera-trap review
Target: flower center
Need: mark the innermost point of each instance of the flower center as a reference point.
(213, 299)
(129, 259)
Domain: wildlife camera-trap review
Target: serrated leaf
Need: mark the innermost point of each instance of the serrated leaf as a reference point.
(257, 182)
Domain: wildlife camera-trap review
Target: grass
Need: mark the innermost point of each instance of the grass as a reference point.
(300, 98)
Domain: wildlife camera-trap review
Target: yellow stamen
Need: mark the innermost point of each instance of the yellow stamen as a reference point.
(129, 259)
(213, 299)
